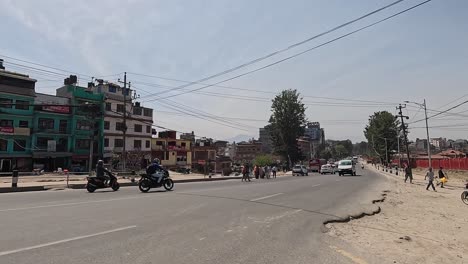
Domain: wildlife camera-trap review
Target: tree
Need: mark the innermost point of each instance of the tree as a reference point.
(341, 151)
(264, 160)
(287, 122)
(325, 154)
(381, 133)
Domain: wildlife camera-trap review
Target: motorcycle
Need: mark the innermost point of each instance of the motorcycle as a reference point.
(147, 182)
(95, 183)
(464, 195)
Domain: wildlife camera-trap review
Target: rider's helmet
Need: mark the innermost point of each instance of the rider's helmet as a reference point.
(100, 163)
(156, 161)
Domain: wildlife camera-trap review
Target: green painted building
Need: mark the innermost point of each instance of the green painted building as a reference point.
(16, 120)
(47, 132)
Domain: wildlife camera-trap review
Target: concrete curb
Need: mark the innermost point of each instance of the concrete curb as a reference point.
(124, 184)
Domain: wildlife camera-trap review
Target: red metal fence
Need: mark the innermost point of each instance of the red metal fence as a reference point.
(449, 164)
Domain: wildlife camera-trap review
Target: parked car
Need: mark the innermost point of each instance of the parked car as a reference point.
(300, 170)
(327, 168)
(346, 167)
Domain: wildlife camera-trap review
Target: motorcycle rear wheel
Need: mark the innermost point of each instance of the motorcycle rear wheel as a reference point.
(90, 188)
(144, 186)
(168, 184)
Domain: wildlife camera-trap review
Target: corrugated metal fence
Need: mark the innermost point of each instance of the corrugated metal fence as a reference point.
(449, 164)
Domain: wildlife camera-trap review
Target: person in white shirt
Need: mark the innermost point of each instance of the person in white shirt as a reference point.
(430, 177)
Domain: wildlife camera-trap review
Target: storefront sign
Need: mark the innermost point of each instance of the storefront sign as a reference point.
(56, 108)
(7, 130)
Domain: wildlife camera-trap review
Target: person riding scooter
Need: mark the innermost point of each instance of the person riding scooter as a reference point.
(153, 170)
(101, 173)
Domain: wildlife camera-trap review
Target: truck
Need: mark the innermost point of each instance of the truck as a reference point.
(316, 164)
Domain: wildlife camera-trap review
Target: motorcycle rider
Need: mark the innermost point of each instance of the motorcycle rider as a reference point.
(101, 173)
(153, 170)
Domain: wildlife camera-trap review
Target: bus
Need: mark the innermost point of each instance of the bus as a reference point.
(316, 164)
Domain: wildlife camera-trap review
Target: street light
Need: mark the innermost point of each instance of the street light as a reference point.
(423, 105)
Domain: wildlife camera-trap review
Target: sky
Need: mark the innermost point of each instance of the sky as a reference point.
(421, 54)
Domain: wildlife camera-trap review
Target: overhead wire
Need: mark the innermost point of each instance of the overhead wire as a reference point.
(285, 49)
(290, 57)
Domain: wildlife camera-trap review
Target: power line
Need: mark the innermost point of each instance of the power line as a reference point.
(293, 56)
(442, 112)
(284, 49)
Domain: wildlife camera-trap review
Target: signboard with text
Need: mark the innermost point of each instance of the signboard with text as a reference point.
(7, 130)
(56, 108)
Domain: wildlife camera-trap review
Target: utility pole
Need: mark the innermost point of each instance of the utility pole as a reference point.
(428, 139)
(124, 129)
(399, 153)
(386, 152)
(405, 134)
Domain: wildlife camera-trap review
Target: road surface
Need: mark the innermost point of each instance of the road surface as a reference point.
(264, 221)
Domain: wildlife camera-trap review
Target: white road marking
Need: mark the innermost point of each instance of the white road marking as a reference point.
(202, 238)
(229, 231)
(67, 204)
(353, 258)
(4, 253)
(265, 197)
(315, 185)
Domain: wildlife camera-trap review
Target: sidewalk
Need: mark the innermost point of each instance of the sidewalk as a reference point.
(414, 226)
(54, 181)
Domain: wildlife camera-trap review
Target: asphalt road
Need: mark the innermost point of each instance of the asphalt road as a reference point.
(264, 221)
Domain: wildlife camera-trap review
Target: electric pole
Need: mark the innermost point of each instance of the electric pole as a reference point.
(124, 128)
(427, 133)
(405, 134)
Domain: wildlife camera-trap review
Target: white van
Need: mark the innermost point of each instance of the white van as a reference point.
(346, 167)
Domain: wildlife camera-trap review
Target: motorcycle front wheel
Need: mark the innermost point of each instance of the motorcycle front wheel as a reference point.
(115, 186)
(464, 197)
(144, 185)
(168, 184)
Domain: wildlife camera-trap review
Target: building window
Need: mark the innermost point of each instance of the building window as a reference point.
(137, 111)
(83, 125)
(82, 144)
(3, 145)
(62, 145)
(148, 112)
(46, 123)
(112, 89)
(108, 107)
(6, 123)
(137, 143)
(106, 142)
(23, 105)
(120, 108)
(183, 144)
(23, 123)
(148, 144)
(41, 143)
(138, 128)
(19, 145)
(148, 129)
(63, 125)
(106, 125)
(6, 103)
(118, 143)
(119, 126)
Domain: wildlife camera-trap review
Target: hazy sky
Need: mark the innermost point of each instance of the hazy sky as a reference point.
(420, 54)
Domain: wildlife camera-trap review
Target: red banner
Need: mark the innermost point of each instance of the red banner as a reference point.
(9, 130)
(57, 108)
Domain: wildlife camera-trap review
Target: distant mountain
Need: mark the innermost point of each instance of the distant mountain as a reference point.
(239, 138)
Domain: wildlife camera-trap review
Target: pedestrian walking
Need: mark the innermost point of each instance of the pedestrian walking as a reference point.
(256, 172)
(442, 178)
(245, 173)
(273, 170)
(430, 177)
(408, 173)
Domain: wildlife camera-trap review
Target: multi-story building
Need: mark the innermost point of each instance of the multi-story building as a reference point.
(265, 139)
(203, 151)
(439, 143)
(138, 119)
(16, 117)
(246, 152)
(86, 125)
(173, 152)
(315, 133)
(221, 147)
(421, 144)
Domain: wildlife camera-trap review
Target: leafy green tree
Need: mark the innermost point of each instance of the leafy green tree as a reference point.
(341, 151)
(325, 154)
(381, 133)
(287, 124)
(264, 160)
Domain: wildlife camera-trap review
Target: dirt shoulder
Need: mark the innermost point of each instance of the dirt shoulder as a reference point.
(414, 225)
